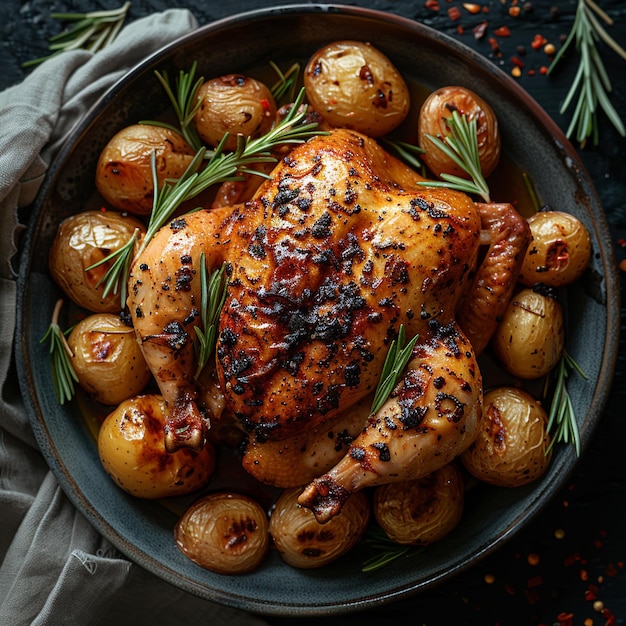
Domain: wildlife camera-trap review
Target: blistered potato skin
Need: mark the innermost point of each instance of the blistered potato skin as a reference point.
(132, 451)
(421, 511)
(560, 251)
(530, 338)
(227, 533)
(437, 108)
(511, 448)
(107, 358)
(82, 240)
(124, 172)
(353, 85)
(306, 544)
(233, 104)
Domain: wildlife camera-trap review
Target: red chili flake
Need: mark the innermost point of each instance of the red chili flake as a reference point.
(514, 11)
(517, 61)
(571, 559)
(265, 104)
(531, 72)
(565, 619)
(103, 209)
(432, 4)
(611, 570)
(539, 41)
(480, 30)
(543, 69)
(503, 31)
(459, 30)
(590, 596)
(454, 13)
(535, 581)
(608, 616)
(495, 46)
(584, 575)
(471, 8)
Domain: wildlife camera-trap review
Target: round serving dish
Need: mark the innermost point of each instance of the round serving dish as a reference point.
(143, 530)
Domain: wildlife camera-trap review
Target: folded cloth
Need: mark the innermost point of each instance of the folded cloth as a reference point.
(55, 568)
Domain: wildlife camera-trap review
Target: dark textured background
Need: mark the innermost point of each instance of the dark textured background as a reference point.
(583, 572)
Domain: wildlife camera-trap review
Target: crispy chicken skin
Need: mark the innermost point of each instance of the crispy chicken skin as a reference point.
(336, 250)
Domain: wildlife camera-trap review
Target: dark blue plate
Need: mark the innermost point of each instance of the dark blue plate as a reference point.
(143, 530)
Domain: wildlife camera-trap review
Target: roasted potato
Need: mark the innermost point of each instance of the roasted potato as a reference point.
(233, 104)
(124, 172)
(560, 250)
(418, 512)
(433, 121)
(226, 533)
(512, 447)
(354, 85)
(132, 450)
(530, 338)
(82, 240)
(107, 358)
(306, 544)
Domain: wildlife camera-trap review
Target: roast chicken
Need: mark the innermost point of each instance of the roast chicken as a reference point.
(337, 249)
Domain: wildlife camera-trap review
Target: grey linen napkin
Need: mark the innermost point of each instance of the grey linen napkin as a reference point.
(55, 568)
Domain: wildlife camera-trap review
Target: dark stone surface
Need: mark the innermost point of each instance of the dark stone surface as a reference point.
(586, 566)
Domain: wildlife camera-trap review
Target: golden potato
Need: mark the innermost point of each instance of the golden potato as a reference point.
(354, 85)
(559, 252)
(226, 533)
(435, 112)
(82, 240)
(124, 172)
(418, 512)
(305, 543)
(530, 338)
(132, 450)
(107, 358)
(512, 444)
(234, 104)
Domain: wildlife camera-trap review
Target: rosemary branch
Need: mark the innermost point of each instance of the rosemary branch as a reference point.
(562, 424)
(461, 145)
(213, 296)
(591, 81)
(91, 31)
(398, 356)
(220, 167)
(63, 373)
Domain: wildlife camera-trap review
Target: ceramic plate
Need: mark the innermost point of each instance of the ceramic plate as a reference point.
(143, 530)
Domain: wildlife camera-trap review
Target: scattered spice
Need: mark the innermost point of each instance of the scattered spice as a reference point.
(549, 49)
(432, 4)
(565, 619)
(559, 533)
(514, 11)
(503, 31)
(490, 579)
(533, 559)
(471, 8)
(454, 13)
(480, 30)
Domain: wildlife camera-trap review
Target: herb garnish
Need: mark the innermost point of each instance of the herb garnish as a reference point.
(562, 423)
(213, 295)
(63, 372)
(387, 550)
(398, 356)
(220, 167)
(185, 102)
(461, 145)
(91, 31)
(591, 80)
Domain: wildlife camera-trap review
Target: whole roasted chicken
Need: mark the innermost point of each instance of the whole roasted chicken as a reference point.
(333, 253)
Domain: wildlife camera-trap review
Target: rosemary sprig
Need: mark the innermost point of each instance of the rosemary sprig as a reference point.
(213, 296)
(591, 81)
(387, 550)
(562, 424)
(461, 145)
(408, 152)
(91, 31)
(220, 167)
(63, 372)
(395, 362)
(284, 89)
(185, 102)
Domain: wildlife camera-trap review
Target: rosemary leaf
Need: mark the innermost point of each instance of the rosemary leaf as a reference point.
(63, 373)
(92, 31)
(397, 358)
(461, 145)
(213, 296)
(591, 83)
